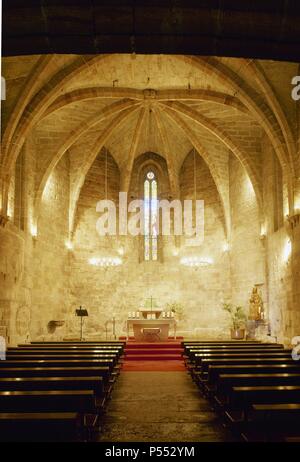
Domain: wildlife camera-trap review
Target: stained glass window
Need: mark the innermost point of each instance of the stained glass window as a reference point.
(150, 217)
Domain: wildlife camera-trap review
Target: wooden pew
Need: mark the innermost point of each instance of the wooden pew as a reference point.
(231, 346)
(234, 347)
(239, 403)
(99, 371)
(53, 383)
(67, 347)
(278, 422)
(40, 427)
(226, 382)
(27, 383)
(194, 354)
(206, 363)
(59, 363)
(244, 397)
(199, 357)
(79, 343)
(54, 356)
(201, 362)
(220, 342)
(81, 401)
(215, 370)
(72, 349)
(236, 378)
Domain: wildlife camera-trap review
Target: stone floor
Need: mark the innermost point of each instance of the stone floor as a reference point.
(160, 406)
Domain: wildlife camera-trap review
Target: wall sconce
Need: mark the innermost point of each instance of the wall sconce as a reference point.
(105, 261)
(196, 261)
(33, 231)
(226, 247)
(287, 251)
(263, 232)
(69, 245)
(297, 206)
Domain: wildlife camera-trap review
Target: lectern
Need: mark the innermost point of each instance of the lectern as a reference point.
(81, 312)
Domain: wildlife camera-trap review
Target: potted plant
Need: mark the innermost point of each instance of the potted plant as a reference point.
(238, 319)
(176, 308)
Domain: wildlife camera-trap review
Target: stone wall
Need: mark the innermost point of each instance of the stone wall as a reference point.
(34, 270)
(61, 110)
(113, 292)
(41, 280)
(246, 249)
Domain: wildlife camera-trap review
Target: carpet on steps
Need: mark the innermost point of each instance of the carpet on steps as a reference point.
(154, 366)
(158, 356)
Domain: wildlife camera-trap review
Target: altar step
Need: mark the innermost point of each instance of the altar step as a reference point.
(152, 357)
(154, 346)
(170, 339)
(156, 351)
(139, 351)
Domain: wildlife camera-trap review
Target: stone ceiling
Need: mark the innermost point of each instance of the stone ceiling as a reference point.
(132, 104)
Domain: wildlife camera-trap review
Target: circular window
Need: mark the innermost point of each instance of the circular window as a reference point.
(150, 175)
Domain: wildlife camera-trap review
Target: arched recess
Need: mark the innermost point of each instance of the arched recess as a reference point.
(123, 108)
(145, 162)
(172, 107)
(100, 142)
(102, 182)
(253, 68)
(259, 110)
(142, 163)
(45, 96)
(197, 182)
(215, 171)
(39, 72)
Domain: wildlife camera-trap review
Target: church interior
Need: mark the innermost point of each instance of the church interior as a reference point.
(93, 323)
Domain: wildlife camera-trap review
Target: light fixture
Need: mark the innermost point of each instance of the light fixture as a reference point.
(105, 261)
(69, 245)
(196, 261)
(287, 250)
(33, 230)
(249, 186)
(226, 247)
(297, 206)
(263, 231)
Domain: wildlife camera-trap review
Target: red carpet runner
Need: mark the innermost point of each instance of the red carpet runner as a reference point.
(162, 357)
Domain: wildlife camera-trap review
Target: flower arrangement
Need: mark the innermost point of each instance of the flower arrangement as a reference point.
(177, 308)
(237, 314)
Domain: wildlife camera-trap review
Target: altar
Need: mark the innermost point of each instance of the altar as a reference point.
(151, 329)
(151, 324)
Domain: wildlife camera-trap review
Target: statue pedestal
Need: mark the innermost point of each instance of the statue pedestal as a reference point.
(257, 330)
(250, 328)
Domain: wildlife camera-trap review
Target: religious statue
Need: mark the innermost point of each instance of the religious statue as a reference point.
(256, 309)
